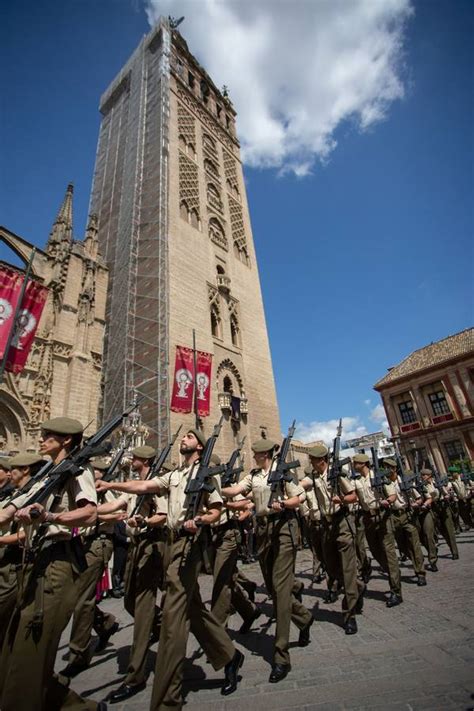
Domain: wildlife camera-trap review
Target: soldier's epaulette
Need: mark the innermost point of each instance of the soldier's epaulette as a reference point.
(254, 471)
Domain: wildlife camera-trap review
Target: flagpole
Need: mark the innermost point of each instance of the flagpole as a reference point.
(195, 409)
(3, 364)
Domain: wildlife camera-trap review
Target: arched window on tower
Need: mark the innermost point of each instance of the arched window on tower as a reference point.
(227, 384)
(235, 331)
(215, 321)
(216, 233)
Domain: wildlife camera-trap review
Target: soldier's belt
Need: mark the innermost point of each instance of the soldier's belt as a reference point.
(228, 525)
(398, 512)
(330, 518)
(174, 535)
(272, 518)
(98, 537)
(158, 533)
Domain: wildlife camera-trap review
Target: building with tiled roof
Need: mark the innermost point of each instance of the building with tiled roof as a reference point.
(429, 400)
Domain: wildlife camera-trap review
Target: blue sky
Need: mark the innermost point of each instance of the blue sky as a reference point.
(366, 258)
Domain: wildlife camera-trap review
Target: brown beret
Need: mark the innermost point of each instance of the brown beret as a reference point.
(25, 459)
(199, 434)
(390, 462)
(426, 472)
(5, 463)
(318, 451)
(263, 445)
(101, 464)
(361, 458)
(144, 452)
(63, 426)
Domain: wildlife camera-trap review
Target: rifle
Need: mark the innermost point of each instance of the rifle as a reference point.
(231, 472)
(155, 469)
(279, 474)
(201, 483)
(45, 469)
(110, 473)
(380, 478)
(439, 482)
(335, 470)
(407, 483)
(59, 474)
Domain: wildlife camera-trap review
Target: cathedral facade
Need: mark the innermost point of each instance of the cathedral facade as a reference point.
(63, 371)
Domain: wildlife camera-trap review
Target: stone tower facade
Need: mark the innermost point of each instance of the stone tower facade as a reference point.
(62, 375)
(174, 228)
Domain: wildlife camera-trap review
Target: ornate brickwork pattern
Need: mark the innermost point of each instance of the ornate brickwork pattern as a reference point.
(238, 229)
(217, 234)
(207, 121)
(189, 184)
(186, 125)
(230, 172)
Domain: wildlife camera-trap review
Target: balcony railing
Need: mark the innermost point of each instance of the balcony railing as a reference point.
(223, 282)
(224, 400)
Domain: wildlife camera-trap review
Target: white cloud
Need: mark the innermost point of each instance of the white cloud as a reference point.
(296, 71)
(378, 415)
(326, 430)
(367, 402)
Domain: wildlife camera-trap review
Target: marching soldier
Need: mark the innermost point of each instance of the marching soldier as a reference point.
(378, 529)
(335, 499)
(227, 594)
(98, 547)
(145, 568)
(404, 529)
(444, 517)
(312, 526)
(426, 519)
(22, 467)
(462, 494)
(47, 586)
(183, 607)
(277, 531)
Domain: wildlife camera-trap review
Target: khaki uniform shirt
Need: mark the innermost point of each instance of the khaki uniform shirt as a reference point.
(369, 497)
(310, 507)
(325, 491)
(107, 527)
(152, 504)
(460, 489)
(174, 484)
(430, 491)
(257, 484)
(78, 488)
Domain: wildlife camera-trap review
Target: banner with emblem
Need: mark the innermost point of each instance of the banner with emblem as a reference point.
(26, 324)
(10, 289)
(182, 398)
(203, 383)
(183, 381)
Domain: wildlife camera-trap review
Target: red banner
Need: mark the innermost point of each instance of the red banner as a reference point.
(203, 383)
(10, 287)
(31, 309)
(182, 398)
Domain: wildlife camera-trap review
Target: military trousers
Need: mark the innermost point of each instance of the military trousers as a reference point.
(144, 573)
(339, 542)
(406, 534)
(46, 600)
(227, 594)
(444, 521)
(363, 560)
(276, 550)
(314, 534)
(427, 533)
(87, 615)
(465, 512)
(10, 561)
(183, 610)
(381, 541)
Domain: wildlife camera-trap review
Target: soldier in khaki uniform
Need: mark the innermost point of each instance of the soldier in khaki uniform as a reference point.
(335, 500)
(378, 528)
(183, 608)
(23, 467)
(405, 531)
(98, 548)
(444, 518)
(47, 584)
(462, 494)
(144, 572)
(227, 594)
(426, 519)
(277, 534)
(311, 520)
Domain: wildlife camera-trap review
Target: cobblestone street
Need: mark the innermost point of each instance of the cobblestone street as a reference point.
(416, 656)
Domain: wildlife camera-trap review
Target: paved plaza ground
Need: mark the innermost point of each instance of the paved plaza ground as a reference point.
(419, 655)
